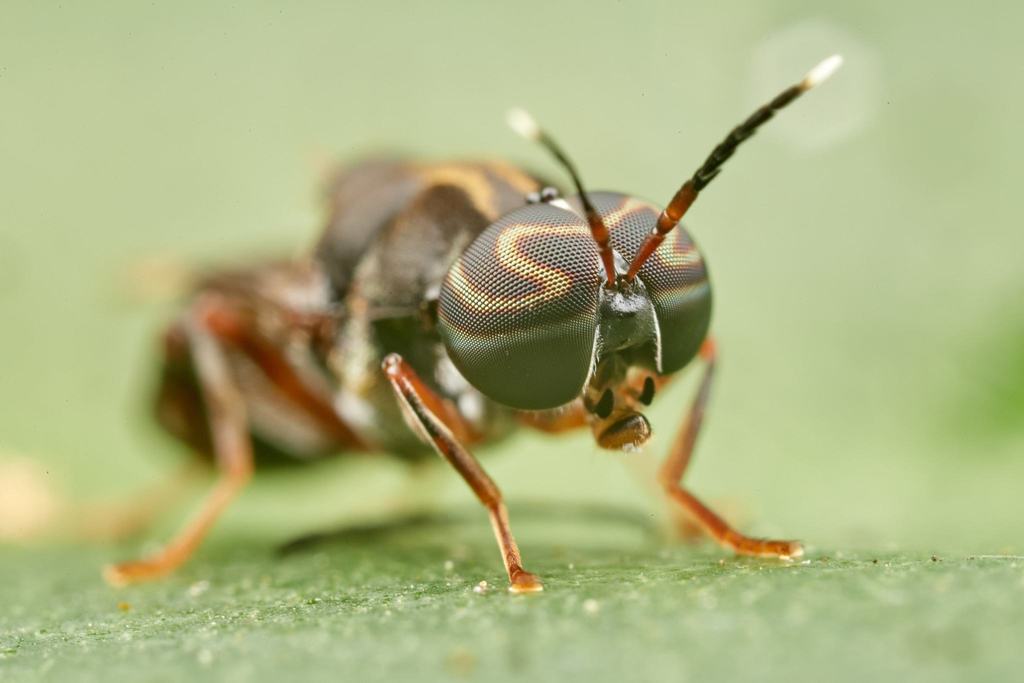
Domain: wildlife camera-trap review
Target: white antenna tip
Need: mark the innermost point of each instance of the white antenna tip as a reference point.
(522, 123)
(821, 72)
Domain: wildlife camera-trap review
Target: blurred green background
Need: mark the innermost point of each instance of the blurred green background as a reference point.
(865, 249)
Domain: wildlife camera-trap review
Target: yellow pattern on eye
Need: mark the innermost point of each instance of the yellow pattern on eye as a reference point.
(673, 253)
(551, 282)
(628, 206)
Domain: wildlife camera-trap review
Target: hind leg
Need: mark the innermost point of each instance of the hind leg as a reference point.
(178, 408)
(131, 516)
(228, 428)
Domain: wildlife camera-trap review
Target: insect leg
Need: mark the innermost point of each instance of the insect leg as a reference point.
(236, 330)
(671, 473)
(133, 515)
(423, 409)
(232, 447)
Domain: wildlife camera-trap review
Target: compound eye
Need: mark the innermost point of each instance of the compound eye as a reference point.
(518, 310)
(675, 276)
(677, 280)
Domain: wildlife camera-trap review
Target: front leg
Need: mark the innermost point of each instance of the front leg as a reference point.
(672, 470)
(424, 409)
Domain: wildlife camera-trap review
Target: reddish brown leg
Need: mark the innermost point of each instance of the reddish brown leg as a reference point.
(672, 470)
(423, 409)
(233, 449)
(235, 330)
(132, 516)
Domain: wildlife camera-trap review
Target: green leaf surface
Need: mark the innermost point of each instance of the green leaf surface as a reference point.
(404, 609)
(864, 250)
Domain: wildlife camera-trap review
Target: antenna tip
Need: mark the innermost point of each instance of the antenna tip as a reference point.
(522, 123)
(821, 72)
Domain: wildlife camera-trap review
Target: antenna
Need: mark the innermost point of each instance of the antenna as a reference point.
(712, 166)
(525, 125)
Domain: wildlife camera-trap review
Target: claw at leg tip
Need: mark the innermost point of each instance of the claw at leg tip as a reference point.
(525, 583)
(796, 551)
(517, 588)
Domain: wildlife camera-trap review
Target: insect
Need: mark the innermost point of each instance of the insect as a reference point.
(463, 300)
